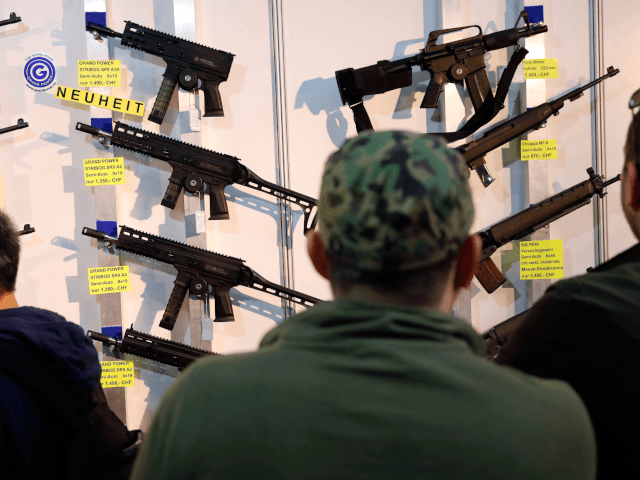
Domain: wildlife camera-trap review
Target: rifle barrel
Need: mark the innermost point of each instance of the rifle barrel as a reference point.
(102, 30)
(13, 18)
(21, 124)
(577, 92)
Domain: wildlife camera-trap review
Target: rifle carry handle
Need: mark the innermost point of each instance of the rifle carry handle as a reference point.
(489, 276)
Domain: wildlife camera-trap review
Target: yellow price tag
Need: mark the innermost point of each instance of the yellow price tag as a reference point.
(108, 280)
(540, 68)
(103, 171)
(99, 73)
(541, 260)
(118, 373)
(101, 101)
(538, 150)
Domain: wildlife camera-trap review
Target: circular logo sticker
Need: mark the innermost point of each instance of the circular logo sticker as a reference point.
(40, 72)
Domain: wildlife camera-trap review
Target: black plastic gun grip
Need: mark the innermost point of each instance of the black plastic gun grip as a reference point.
(218, 203)
(435, 88)
(212, 100)
(223, 309)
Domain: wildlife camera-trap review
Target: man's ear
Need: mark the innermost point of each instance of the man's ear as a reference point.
(316, 253)
(632, 187)
(468, 261)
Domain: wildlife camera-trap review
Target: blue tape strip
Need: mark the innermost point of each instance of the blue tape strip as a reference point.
(536, 13)
(110, 228)
(104, 124)
(115, 332)
(99, 18)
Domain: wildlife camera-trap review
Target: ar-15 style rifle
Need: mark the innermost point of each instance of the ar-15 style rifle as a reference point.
(533, 218)
(26, 230)
(21, 124)
(13, 18)
(473, 152)
(189, 64)
(198, 170)
(498, 335)
(153, 348)
(200, 272)
(450, 62)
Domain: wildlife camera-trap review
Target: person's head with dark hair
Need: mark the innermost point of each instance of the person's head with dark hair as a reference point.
(630, 189)
(9, 259)
(394, 216)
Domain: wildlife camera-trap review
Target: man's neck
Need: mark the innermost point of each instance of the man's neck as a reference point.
(7, 300)
(360, 293)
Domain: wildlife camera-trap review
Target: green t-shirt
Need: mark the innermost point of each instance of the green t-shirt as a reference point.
(352, 390)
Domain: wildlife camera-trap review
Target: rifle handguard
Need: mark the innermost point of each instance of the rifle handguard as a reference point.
(489, 276)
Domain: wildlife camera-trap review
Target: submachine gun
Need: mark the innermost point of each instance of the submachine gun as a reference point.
(450, 62)
(198, 170)
(13, 18)
(153, 348)
(200, 272)
(474, 152)
(533, 218)
(189, 64)
(21, 124)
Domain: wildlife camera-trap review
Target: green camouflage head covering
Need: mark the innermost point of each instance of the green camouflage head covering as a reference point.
(394, 201)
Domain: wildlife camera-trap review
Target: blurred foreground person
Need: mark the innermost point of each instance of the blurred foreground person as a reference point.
(382, 382)
(586, 330)
(54, 419)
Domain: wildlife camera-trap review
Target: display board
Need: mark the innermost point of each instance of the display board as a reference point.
(283, 116)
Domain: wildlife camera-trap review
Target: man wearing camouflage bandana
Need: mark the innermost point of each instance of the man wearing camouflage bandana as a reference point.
(382, 382)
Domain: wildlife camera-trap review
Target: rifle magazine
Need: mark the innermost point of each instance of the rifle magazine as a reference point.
(173, 307)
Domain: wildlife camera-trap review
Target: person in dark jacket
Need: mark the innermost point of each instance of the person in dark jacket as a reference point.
(586, 331)
(49, 387)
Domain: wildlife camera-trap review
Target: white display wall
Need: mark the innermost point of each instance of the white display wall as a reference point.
(283, 117)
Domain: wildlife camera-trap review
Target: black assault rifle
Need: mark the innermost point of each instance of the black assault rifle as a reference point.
(153, 348)
(26, 230)
(449, 62)
(198, 170)
(191, 65)
(200, 272)
(21, 124)
(473, 152)
(13, 18)
(533, 218)
(498, 335)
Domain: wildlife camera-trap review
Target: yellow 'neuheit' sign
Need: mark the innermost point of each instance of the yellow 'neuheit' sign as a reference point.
(103, 171)
(117, 373)
(99, 73)
(108, 280)
(101, 101)
(541, 260)
(540, 68)
(538, 150)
